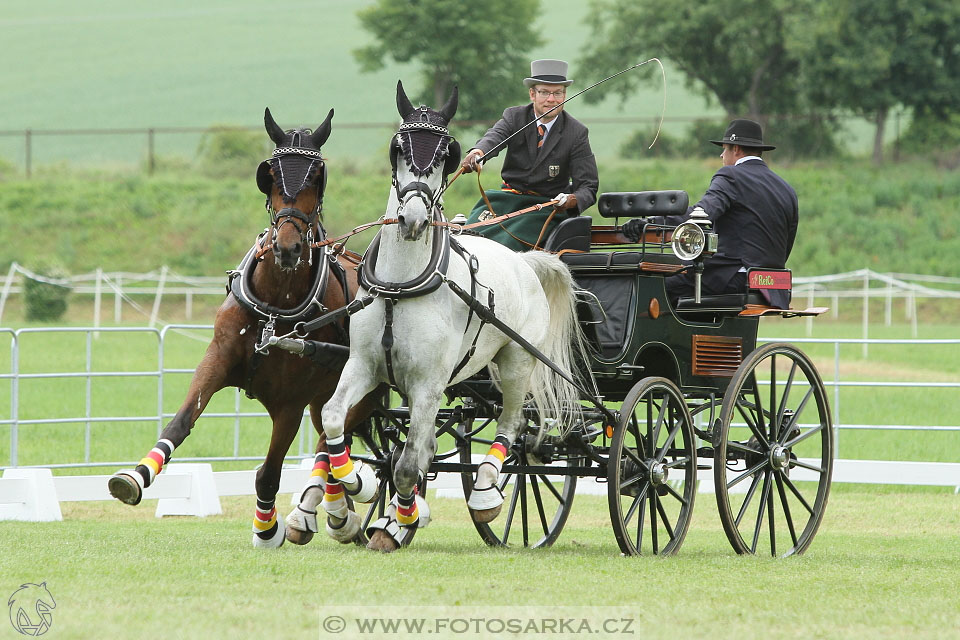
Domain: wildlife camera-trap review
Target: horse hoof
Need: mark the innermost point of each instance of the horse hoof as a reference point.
(125, 488)
(274, 542)
(485, 504)
(381, 541)
(295, 536)
(301, 525)
(485, 515)
(346, 532)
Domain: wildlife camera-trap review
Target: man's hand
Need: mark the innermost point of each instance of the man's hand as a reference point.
(565, 201)
(633, 228)
(472, 162)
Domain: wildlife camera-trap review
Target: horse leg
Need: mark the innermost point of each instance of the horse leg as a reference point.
(302, 521)
(410, 511)
(346, 476)
(210, 376)
(268, 530)
(516, 367)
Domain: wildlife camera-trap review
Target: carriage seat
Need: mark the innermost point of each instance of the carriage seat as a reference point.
(571, 234)
(642, 204)
(727, 302)
(769, 288)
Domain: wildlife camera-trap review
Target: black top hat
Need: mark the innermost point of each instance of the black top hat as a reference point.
(745, 133)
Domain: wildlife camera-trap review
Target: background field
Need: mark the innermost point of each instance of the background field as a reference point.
(112, 64)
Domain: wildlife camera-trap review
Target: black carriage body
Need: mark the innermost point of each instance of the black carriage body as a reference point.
(637, 334)
(656, 367)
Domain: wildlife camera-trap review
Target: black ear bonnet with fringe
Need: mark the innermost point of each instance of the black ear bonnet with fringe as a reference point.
(423, 138)
(296, 161)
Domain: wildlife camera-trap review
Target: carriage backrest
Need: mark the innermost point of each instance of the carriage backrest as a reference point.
(642, 204)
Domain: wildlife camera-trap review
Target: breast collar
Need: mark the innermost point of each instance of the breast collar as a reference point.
(240, 284)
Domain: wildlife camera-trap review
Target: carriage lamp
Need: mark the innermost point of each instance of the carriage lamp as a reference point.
(689, 241)
(692, 242)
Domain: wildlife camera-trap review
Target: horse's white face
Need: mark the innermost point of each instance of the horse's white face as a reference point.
(414, 198)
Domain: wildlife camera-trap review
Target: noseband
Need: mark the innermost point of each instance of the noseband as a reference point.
(289, 214)
(415, 189)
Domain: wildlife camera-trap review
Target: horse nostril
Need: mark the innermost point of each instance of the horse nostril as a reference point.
(400, 218)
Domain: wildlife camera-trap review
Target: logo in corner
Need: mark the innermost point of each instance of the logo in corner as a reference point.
(30, 608)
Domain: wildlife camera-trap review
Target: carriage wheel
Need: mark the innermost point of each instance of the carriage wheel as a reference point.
(652, 470)
(535, 506)
(772, 470)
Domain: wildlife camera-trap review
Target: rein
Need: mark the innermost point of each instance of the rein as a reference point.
(336, 240)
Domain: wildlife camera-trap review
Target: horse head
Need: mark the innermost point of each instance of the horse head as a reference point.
(421, 145)
(293, 179)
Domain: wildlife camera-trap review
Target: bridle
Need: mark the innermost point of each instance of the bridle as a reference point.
(311, 229)
(445, 156)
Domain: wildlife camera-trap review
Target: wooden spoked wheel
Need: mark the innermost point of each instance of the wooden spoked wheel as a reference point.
(652, 470)
(773, 453)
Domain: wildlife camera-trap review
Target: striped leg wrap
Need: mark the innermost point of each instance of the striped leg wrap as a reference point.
(407, 512)
(497, 453)
(265, 519)
(153, 462)
(340, 463)
(334, 499)
(321, 470)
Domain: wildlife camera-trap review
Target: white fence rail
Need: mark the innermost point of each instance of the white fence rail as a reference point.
(20, 486)
(138, 290)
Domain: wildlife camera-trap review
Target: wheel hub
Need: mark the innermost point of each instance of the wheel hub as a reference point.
(658, 474)
(779, 457)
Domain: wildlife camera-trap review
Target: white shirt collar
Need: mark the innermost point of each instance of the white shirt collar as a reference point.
(745, 158)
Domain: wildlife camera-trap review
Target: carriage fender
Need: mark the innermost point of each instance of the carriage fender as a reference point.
(658, 359)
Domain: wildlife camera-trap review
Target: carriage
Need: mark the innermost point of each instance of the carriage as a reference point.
(694, 402)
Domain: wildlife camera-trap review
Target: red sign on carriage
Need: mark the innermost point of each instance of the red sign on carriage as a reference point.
(770, 279)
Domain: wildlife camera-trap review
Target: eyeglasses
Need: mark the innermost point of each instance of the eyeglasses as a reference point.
(555, 94)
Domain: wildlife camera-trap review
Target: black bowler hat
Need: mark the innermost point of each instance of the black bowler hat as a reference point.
(745, 133)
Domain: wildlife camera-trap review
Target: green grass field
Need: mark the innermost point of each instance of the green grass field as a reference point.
(884, 565)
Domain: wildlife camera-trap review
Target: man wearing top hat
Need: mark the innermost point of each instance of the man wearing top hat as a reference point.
(550, 160)
(754, 213)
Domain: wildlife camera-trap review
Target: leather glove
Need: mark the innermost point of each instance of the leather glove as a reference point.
(472, 161)
(633, 228)
(565, 201)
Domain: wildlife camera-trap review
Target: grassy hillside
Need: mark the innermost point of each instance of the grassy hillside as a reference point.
(901, 218)
(198, 63)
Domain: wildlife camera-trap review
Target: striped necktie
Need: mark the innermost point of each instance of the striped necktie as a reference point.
(540, 131)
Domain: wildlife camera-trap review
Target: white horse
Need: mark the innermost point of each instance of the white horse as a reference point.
(433, 332)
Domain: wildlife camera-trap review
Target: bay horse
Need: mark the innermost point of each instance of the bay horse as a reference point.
(421, 337)
(296, 283)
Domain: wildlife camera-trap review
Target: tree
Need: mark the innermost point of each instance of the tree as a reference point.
(872, 56)
(480, 46)
(732, 51)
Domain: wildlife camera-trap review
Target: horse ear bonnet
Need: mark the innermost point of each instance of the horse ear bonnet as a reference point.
(425, 142)
(296, 161)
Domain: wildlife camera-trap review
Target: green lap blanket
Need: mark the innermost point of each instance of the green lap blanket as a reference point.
(526, 227)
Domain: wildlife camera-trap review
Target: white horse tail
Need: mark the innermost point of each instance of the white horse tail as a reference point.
(564, 345)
